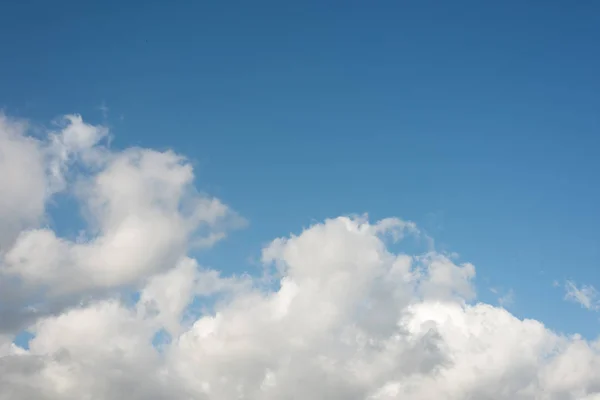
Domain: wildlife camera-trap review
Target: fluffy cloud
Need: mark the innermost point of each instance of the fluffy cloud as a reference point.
(336, 314)
(22, 180)
(141, 209)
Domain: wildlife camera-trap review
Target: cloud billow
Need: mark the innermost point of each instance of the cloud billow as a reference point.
(349, 318)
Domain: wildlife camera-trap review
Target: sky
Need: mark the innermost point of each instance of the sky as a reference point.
(238, 198)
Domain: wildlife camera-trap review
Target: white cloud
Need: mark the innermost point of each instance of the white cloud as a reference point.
(585, 295)
(143, 216)
(348, 319)
(22, 180)
(142, 210)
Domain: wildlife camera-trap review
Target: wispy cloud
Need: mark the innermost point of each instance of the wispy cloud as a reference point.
(104, 110)
(585, 295)
(506, 299)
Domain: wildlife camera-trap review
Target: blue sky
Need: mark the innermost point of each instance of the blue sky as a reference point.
(477, 121)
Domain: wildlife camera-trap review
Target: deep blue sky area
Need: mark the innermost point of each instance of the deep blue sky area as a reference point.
(477, 120)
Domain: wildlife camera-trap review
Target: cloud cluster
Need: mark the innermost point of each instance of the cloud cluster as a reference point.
(336, 314)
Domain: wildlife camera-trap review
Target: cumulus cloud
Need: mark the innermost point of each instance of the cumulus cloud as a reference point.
(22, 180)
(341, 315)
(141, 208)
